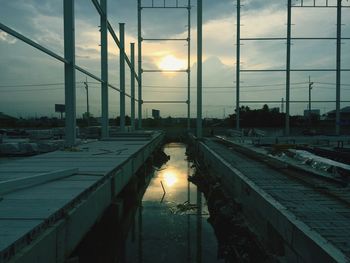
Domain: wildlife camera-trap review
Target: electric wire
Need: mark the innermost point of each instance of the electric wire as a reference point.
(165, 89)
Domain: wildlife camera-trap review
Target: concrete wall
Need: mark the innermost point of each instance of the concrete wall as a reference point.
(280, 231)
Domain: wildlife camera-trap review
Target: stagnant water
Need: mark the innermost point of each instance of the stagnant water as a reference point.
(166, 223)
(170, 227)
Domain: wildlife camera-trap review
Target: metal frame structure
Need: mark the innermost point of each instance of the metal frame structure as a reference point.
(199, 68)
(141, 70)
(288, 69)
(70, 67)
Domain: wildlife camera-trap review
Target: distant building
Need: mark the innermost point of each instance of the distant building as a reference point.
(156, 114)
(6, 120)
(275, 109)
(344, 114)
(314, 113)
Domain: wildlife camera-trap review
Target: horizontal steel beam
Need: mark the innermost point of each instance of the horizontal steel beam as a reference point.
(117, 89)
(164, 7)
(52, 54)
(165, 101)
(88, 73)
(318, 6)
(293, 70)
(293, 38)
(99, 80)
(163, 70)
(31, 42)
(292, 101)
(165, 39)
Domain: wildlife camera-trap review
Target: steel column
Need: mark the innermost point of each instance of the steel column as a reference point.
(122, 75)
(289, 30)
(238, 63)
(199, 68)
(189, 68)
(139, 47)
(69, 72)
(132, 84)
(338, 72)
(104, 70)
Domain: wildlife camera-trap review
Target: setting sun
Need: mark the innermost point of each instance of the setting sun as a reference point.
(170, 178)
(171, 63)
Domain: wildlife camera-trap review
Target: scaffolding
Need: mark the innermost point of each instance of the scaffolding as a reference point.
(173, 5)
(70, 67)
(288, 69)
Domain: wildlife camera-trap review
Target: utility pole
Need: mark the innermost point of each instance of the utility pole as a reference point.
(87, 102)
(310, 88)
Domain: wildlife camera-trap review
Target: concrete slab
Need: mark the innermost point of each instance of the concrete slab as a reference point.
(303, 216)
(72, 203)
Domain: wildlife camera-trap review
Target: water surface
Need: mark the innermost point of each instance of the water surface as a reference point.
(168, 225)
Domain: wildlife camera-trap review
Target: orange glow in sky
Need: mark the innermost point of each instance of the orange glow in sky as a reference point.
(170, 62)
(170, 178)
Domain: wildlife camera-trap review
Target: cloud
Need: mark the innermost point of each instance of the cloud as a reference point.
(42, 21)
(7, 38)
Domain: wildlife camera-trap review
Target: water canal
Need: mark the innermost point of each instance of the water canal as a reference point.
(166, 222)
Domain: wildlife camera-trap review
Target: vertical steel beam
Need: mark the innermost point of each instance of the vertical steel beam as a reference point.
(122, 75)
(238, 63)
(289, 30)
(132, 84)
(69, 72)
(139, 47)
(104, 70)
(338, 72)
(189, 68)
(199, 68)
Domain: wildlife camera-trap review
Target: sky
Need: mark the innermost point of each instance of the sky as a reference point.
(32, 82)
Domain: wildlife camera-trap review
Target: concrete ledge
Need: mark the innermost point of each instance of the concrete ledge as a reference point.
(58, 241)
(261, 209)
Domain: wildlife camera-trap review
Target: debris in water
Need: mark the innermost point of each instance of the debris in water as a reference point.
(184, 208)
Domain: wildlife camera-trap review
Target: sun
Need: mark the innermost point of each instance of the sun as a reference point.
(171, 63)
(170, 178)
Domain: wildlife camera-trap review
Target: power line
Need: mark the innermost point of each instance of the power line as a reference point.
(32, 85)
(29, 90)
(155, 87)
(334, 84)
